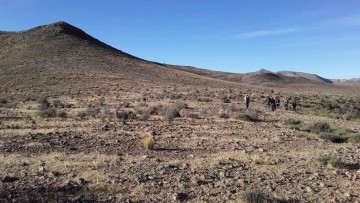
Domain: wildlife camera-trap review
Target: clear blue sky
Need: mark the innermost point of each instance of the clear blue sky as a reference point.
(315, 36)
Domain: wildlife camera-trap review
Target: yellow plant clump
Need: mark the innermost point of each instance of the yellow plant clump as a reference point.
(149, 142)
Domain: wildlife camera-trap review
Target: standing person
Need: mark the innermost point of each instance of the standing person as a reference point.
(294, 104)
(267, 101)
(272, 103)
(286, 103)
(247, 101)
(277, 102)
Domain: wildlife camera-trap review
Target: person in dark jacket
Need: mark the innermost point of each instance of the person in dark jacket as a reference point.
(247, 101)
(294, 104)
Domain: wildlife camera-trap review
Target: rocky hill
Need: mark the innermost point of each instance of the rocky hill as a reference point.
(60, 58)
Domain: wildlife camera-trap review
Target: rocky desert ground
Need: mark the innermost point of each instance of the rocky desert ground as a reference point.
(78, 149)
(83, 122)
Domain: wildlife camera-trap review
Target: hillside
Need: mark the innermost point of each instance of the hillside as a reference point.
(60, 58)
(312, 77)
(264, 78)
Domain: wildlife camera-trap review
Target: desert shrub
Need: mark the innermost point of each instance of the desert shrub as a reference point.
(224, 115)
(193, 116)
(352, 115)
(317, 127)
(48, 113)
(225, 99)
(149, 142)
(231, 109)
(6, 103)
(125, 116)
(292, 121)
(259, 195)
(107, 113)
(62, 114)
(31, 98)
(100, 101)
(204, 99)
(92, 111)
(179, 106)
(43, 104)
(172, 113)
(126, 104)
(57, 104)
(154, 110)
(330, 159)
(81, 114)
(354, 138)
(69, 105)
(256, 195)
(145, 116)
(174, 96)
(334, 137)
(251, 115)
(3, 101)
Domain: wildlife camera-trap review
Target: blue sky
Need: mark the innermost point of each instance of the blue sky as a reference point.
(315, 36)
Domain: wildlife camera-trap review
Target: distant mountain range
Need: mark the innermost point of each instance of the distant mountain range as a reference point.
(60, 57)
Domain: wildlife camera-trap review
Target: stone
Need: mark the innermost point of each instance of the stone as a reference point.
(178, 196)
(309, 190)
(55, 173)
(41, 170)
(9, 179)
(222, 174)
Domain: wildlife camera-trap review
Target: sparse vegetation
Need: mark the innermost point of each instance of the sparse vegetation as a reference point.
(174, 111)
(256, 195)
(317, 127)
(259, 195)
(101, 160)
(48, 113)
(331, 160)
(149, 142)
(292, 121)
(251, 115)
(225, 99)
(124, 116)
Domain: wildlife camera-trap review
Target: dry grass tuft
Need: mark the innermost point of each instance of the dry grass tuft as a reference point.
(149, 142)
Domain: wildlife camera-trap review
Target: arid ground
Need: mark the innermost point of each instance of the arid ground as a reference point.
(119, 129)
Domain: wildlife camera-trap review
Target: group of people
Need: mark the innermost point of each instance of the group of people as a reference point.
(273, 103)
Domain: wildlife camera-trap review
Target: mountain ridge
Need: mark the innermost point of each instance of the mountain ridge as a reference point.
(61, 54)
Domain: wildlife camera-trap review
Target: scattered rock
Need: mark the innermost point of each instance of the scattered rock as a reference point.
(9, 179)
(178, 196)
